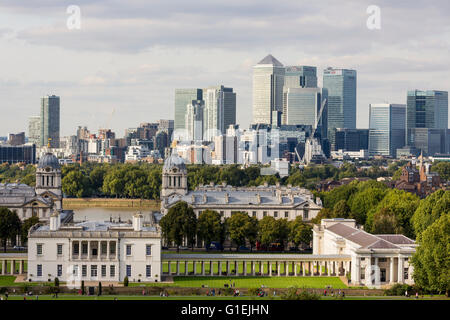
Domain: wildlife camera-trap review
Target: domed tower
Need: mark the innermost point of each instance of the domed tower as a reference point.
(48, 179)
(174, 177)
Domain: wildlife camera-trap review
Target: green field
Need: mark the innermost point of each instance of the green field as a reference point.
(6, 281)
(251, 282)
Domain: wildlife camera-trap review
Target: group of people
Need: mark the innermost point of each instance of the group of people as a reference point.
(163, 294)
(338, 294)
(212, 292)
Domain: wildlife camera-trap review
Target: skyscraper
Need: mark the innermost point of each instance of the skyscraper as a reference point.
(194, 120)
(302, 106)
(183, 97)
(268, 81)
(300, 76)
(220, 110)
(34, 130)
(50, 119)
(426, 109)
(341, 86)
(387, 123)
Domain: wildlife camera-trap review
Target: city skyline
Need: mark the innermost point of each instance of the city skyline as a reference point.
(136, 76)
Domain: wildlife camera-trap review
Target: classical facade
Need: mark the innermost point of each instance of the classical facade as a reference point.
(94, 251)
(276, 201)
(40, 201)
(376, 260)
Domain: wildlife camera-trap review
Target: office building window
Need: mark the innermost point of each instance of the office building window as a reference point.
(59, 249)
(148, 271)
(39, 270)
(75, 270)
(148, 250)
(112, 271)
(94, 270)
(103, 270)
(39, 249)
(59, 270)
(128, 270)
(128, 249)
(84, 270)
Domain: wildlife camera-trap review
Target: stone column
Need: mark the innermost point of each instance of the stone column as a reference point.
(253, 268)
(219, 267)
(108, 249)
(286, 268)
(400, 269)
(328, 263)
(295, 268)
(377, 272)
(236, 268)
(13, 266)
(369, 271)
(303, 266)
(391, 270)
(211, 270)
(21, 263)
(320, 263)
(203, 268)
(269, 264)
(357, 271)
(5, 263)
(89, 250)
(244, 266)
(278, 268)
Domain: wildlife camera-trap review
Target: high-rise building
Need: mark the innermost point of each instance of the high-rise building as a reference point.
(352, 139)
(300, 76)
(183, 97)
(50, 119)
(426, 109)
(34, 130)
(302, 106)
(220, 110)
(387, 123)
(16, 139)
(268, 81)
(430, 141)
(194, 120)
(341, 86)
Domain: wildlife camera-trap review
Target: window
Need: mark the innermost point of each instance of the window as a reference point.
(148, 250)
(94, 270)
(103, 270)
(254, 213)
(405, 273)
(221, 213)
(76, 249)
(382, 259)
(94, 251)
(39, 249)
(148, 271)
(305, 214)
(104, 248)
(128, 249)
(59, 249)
(112, 271)
(84, 270)
(84, 248)
(59, 270)
(39, 270)
(112, 248)
(286, 214)
(75, 270)
(275, 214)
(264, 213)
(362, 273)
(128, 270)
(362, 259)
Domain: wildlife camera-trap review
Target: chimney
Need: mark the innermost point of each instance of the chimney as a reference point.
(258, 198)
(226, 198)
(137, 222)
(55, 221)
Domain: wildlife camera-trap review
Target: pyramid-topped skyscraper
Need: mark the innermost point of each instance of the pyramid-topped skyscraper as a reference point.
(268, 81)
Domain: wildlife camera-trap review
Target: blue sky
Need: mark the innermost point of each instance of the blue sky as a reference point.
(129, 56)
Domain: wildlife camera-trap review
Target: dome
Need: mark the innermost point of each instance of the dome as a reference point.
(49, 160)
(174, 161)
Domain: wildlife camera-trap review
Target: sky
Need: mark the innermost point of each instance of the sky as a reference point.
(121, 67)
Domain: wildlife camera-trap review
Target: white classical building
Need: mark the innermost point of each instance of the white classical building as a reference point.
(40, 201)
(276, 201)
(376, 260)
(94, 251)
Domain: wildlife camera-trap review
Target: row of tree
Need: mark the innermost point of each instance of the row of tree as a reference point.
(11, 227)
(180, 225)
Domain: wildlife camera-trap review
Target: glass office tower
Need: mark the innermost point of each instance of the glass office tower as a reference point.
(183, 97)
(341, 86)
(50, 121)
(426, 109)
(220, 110)
(268, 81)
(387, 123)
(300, 76)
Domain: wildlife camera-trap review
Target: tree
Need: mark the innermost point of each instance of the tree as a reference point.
(341, 209)
(179, 223)
(443, 168)
(430, 209)
(240, 228)
(300, 232)
(272, 230)
(324, 213)
(76, 184)
(26, 225)
(210, 227)
(364, 200)
(10, 226)
(385, 222)
(432, 258)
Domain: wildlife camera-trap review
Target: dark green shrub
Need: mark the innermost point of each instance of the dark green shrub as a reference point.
(125, 282)
(99, 288)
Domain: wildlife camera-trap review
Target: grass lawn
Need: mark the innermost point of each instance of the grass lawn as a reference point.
(252, 282)
(6, 281)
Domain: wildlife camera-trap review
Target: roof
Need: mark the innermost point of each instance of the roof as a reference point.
(90, 226)
(49, 160)
(253, 256)
(174, 161)
(269, 59)
(370, 241)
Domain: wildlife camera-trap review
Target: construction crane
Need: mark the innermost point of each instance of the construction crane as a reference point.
(313, 149)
